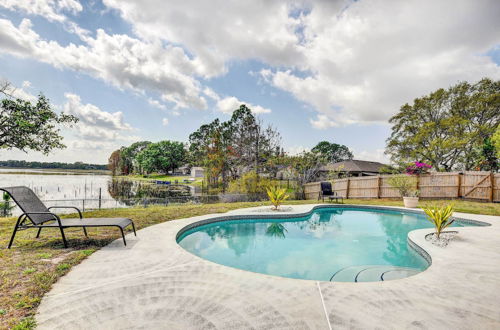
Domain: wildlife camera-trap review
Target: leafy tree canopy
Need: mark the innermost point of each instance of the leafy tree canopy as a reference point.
(333, 152)
(448, 127)
(128, 154)
(162, 156)
(31, 126)
(495, 140)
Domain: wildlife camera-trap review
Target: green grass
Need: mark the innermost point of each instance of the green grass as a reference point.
(32, 266)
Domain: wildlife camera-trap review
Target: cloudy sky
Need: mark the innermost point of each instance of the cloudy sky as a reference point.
(317, 70)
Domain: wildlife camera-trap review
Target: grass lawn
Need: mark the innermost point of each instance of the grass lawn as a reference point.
(29, 269)
(161, 177)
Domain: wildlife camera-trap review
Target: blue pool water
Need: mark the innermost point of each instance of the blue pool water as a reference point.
(337, 244)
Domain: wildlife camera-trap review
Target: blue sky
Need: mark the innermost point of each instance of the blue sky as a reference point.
(316, 70)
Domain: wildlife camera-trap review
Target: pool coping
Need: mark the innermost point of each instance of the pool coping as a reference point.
(163, 285)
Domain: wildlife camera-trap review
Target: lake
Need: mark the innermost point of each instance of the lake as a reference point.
(87, 189)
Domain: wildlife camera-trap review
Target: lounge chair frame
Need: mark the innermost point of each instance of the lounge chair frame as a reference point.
(326, 191)
(39, 219)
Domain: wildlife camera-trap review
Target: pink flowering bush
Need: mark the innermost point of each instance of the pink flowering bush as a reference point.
(418, 168)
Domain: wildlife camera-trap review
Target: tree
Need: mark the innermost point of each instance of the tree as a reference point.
(333, 152)
(26, 126)
(488, 160)
(228, 149)
(495, 140)
(114, 162)
(162, 156)
(128, 162)
(447, 127)
(305, 168)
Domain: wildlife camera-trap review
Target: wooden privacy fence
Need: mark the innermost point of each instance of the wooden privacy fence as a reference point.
(470, 185)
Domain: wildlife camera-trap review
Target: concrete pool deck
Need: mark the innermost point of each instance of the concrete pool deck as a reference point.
(153, 283)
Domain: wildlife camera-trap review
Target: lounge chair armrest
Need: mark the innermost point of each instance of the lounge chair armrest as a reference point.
(68, 207)
(56, 217)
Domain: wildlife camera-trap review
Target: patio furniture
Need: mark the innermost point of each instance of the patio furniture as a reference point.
(326, 190)
(37, 215)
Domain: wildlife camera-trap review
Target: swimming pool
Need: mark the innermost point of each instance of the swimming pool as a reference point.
(329, 244)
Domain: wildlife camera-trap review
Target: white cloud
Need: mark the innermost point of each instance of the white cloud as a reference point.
(156, 104)
(120, 60)
(164, 121)
(23, 93)
(376, 155)
(52, 10)
(231, 103)
(295, 150)
(354, 62)
(217, 31)
(91, 115)
(96, 125)
(362, 66)
(323, 122)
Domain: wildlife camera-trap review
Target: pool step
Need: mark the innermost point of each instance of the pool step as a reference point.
(372, 273)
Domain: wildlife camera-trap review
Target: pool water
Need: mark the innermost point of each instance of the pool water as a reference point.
(331, 244)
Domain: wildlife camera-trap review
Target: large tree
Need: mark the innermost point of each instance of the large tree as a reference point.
(227, 149)
(162, 156)
(30, 126)
(333, 152)
(448, 127)
(128, 163)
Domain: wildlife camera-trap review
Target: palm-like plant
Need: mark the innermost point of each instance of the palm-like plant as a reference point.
(440, 217)
(277, 195)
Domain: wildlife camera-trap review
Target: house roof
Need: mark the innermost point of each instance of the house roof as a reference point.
(354, 166)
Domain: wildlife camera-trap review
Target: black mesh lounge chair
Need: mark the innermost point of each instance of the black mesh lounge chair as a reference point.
(326, 190)
(37, 215)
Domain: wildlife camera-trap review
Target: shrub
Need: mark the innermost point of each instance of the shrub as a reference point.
(249, 183)
(277, 196)
(440, 217)
(418, 168)
(405, 184)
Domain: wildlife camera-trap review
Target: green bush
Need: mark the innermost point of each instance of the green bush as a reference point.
(405, 184)
(249, 183)
(440, 217)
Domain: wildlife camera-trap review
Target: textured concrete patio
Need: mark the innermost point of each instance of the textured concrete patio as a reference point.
(155, 284)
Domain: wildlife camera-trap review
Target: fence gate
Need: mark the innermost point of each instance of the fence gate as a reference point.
(478, 185)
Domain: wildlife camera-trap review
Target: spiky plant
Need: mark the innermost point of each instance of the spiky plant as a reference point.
(277, 196)
(440, 217)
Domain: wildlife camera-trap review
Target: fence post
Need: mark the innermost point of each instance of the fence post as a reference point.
(83, 205)
(492, 185)
(347, 190)
(100, 198)
(459, 189)
(379, 181)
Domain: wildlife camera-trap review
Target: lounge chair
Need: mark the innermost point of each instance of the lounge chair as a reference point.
(326, 190)
(37, 215)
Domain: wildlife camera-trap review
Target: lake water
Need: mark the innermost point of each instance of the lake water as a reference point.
(83, 189)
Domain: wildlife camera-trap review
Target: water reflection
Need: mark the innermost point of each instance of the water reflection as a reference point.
(396, 228)
(276, 229)
(123, 190)
(239, 236)
(311, 247)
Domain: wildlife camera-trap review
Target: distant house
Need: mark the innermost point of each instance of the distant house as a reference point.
(353, 168)
(184, 170)
(197, 172)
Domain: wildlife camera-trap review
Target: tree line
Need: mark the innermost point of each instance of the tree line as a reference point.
(66, 166)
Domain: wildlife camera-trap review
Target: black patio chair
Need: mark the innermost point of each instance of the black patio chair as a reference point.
(326, 190)
(37, 215)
